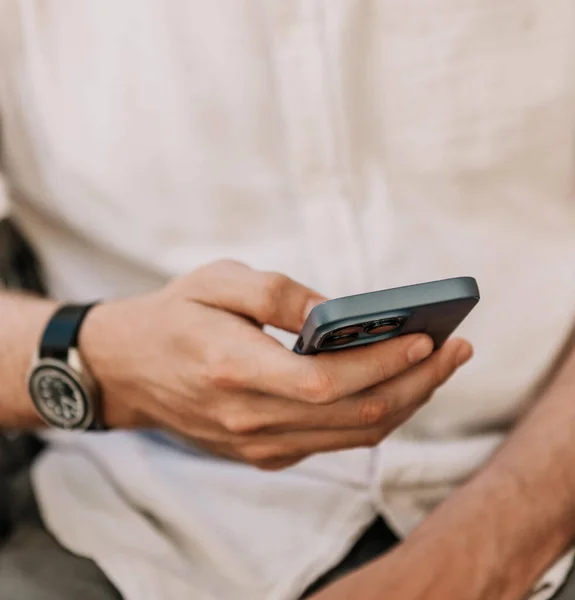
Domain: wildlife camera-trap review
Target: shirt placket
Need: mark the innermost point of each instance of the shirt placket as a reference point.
(320, 178)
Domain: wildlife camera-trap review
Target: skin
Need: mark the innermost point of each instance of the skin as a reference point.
(192, 358)
(497, 534)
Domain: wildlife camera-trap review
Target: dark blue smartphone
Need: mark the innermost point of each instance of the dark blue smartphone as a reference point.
(435, 308)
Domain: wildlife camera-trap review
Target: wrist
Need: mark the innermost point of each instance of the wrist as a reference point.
(101, 350)
(432, 569)
(480, 538)
(439, 570)
(412, 571)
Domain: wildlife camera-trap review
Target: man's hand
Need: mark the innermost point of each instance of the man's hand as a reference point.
(193, 358)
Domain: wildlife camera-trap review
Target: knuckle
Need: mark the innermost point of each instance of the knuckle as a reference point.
(319, 388)
(221, 371)
(383, 371)
(274, 286)
(381, 361)
(238, 421)
(372, 410)
(260, 454)
(384, 363)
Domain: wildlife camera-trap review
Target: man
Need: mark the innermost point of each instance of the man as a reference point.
(337, 147)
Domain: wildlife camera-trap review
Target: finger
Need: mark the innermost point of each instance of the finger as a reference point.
(377, 413)
(269, 298)
(369, 408)
(391, 402)
(259, 415)
(327, 377)
(409, 390)
(227, 451)
(218, 449)
(280, 450)
(400, 397)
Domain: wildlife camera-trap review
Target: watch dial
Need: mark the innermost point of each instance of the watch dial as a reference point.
(58, 397)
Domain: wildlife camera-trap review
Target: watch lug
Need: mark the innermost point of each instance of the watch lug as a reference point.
(35, 359)
(75, 361)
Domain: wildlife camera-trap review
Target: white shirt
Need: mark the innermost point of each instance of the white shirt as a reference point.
(351, 145)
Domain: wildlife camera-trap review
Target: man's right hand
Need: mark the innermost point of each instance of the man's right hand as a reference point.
(193, 358)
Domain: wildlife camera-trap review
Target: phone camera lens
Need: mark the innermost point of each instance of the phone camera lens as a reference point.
(341, 336)
(352, 329)
(382, 326)
(333, 340)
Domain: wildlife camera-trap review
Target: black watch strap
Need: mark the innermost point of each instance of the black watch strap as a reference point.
(61, 333)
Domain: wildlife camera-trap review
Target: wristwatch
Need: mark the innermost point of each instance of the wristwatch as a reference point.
(61, 386)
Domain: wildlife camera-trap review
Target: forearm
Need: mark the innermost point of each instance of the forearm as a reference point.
(496, 535)
(518, 514)
(23, 319)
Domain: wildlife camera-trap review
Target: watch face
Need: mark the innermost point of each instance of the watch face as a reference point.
(58, 396)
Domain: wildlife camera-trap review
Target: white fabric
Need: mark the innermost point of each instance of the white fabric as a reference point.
(351, 145)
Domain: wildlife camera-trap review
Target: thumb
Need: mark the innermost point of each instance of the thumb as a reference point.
(266, 297)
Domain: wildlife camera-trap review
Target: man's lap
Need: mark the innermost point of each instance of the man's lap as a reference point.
(33, 566)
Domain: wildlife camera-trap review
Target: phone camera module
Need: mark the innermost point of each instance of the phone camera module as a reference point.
(383, 326)
(341, 336)
(333, 341)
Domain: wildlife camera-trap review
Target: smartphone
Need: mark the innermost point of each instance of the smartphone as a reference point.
(435, 308)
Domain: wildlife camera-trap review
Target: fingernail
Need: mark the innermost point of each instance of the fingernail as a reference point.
(420, 350)
(463, 355)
